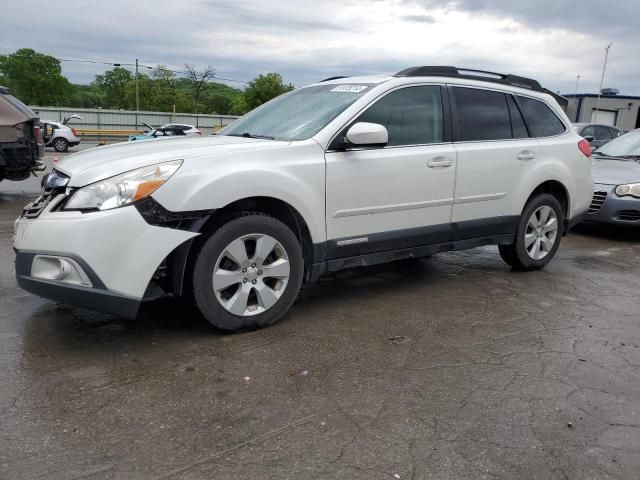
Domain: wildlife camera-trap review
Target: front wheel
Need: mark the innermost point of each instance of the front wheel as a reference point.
(248, 273)
(538, 236)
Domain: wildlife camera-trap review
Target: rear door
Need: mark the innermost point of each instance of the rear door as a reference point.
(397, 196)
(494, 151)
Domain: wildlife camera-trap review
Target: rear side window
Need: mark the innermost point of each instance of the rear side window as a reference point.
(482, 114)
(540, 118)
(603, 133)
(412, 115)
(518, 128)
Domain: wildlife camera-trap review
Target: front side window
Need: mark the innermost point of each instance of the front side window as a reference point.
(297, 115)
(603, 133)
(540, 118)
(411, 115)
(482, 114)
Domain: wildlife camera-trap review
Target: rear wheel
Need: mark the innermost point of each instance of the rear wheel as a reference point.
(60, 145)
(248, 273)
(538, 235)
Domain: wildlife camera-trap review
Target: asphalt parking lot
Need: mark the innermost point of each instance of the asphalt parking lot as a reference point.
(451, 367)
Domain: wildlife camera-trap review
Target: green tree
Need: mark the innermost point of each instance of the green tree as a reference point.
(218, 103)
(35, 78)
(199, 80)
(163, 89)
(85, 96)
(261, 90)
(113, 87)
(239, 105)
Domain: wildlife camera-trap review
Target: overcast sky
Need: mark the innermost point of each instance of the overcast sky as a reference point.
(306, 40)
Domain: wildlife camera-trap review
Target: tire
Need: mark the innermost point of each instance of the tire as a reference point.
(522, 254)
(253, 298)
(60, 145)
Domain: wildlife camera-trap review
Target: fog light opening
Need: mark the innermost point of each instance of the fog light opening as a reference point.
(59, 269)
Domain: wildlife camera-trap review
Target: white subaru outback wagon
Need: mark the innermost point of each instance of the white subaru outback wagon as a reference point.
(341, 173)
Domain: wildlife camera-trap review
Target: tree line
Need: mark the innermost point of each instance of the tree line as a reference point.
(36, 79)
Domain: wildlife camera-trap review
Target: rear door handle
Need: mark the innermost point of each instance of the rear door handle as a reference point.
(441, 162)
(526, 155)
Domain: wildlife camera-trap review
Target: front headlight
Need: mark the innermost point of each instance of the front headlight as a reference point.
(122, 189)
(632, 189)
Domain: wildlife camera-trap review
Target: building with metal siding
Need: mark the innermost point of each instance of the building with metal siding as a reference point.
(622, 111)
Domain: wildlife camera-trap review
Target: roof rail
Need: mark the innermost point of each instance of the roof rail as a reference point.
(332, 78)
(444, 71)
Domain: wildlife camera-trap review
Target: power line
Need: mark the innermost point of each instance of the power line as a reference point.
(148, 67)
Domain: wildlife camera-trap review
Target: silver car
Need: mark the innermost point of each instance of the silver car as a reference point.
(616, 175)
(597, 135)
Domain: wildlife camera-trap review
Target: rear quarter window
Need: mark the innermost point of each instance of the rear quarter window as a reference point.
(542, 121)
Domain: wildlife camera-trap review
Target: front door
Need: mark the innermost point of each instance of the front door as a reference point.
(398, 196)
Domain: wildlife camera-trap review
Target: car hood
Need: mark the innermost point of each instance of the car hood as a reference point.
(96, 164)
(612, 171)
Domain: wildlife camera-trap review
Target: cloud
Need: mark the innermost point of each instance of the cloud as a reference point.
(307, 40)
(618, 18)
(422, 18)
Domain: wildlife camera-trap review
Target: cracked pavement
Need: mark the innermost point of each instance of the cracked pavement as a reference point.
(452, 367)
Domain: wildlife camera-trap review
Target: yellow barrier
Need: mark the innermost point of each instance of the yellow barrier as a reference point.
(108, 133)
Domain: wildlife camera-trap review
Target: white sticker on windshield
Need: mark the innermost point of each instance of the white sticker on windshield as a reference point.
(349, 88)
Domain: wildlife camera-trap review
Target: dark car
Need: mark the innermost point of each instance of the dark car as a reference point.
(616, 178)
(21, 143)
(596, 134)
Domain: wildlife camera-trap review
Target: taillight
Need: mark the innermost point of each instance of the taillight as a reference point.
(73, 130)
(37, 132)
(584, 147)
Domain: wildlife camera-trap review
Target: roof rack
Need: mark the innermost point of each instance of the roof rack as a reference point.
(443, 71)
(332, 78)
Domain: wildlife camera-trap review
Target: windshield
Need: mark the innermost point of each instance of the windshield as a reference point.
(297, 115)
(625, 145)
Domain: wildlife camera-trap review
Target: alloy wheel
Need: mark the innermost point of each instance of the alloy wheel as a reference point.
(541, 232)
(251, 274)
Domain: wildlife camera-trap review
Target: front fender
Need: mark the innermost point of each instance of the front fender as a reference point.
(207, 184)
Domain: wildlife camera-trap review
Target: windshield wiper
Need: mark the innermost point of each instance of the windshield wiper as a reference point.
(634, 157)
(251, 135)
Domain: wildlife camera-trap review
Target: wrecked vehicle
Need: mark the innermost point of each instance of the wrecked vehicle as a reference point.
(21, 144)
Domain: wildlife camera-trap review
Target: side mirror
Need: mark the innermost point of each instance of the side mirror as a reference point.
(589, 138)
(367, 135)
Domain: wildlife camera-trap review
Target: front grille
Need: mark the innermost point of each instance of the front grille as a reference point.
(36, 207)
(53, 185)
(628, 215)
(596, 203)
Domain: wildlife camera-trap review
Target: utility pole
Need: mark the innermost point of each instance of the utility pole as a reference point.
(575, 97)
(137, 95)
(604, 67)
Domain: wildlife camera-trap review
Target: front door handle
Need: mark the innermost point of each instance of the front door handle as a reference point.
(442, 162)
(526, 155)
